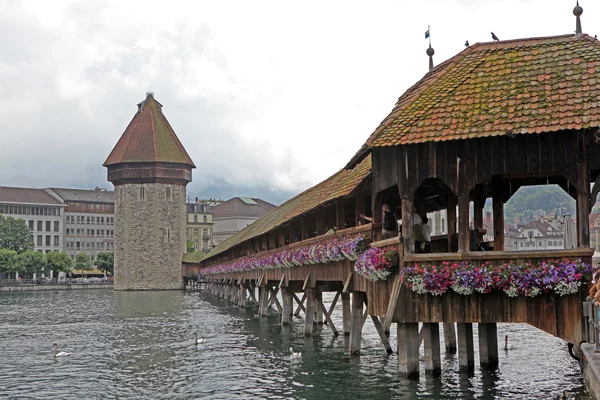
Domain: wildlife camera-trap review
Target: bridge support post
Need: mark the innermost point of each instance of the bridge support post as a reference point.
(287, 306)
(263, 300)
(433, 359)
(319, 297)
(408, 349)
(488, 345)
(466, 354)
(242, 295)
(358, 299)
(346, 314)
(450, 337)
(309, 315)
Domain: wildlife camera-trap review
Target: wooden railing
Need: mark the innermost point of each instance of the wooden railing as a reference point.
(584, 253)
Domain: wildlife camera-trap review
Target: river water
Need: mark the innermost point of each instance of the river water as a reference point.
(128, 345)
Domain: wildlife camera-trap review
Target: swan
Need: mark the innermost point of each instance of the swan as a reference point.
(198, 341)
(296, 355)
(60, 354)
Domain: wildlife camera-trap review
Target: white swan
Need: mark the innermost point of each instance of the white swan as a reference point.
(198, 341)
(60, 354)
(296, 355)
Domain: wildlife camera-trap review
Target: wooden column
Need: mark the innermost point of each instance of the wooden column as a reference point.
(463, 223)
(320, 215)
(359, 208)
(346, 314)
(478, 204)
(263, 300)
(450, 337)
(358, 299)
(408, 349)
(433, 359)
(287, 306)
(340, 214)
(488, 345)
(304, 228)
(242, 294)
(309, 315)
(466, 353)
(319, 298)
(377, 216)
(407, 224)
(498, 206)
(583, 206)
(451, 221)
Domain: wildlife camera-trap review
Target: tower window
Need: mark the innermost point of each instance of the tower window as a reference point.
(168, 193)
(142, 193)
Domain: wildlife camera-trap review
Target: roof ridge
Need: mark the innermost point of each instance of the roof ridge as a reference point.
(523, 40)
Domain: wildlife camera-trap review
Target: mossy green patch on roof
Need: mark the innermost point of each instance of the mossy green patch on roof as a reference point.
(509, 87)
(149, 138)
(338, 185)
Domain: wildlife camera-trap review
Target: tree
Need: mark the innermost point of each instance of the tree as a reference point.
(82, 262)
(59, 262)
(8, 261)
(31, 262)
(105, 261)
(190, 246)
(15, 235)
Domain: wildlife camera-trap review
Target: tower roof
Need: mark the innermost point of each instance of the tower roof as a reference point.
(149, 138)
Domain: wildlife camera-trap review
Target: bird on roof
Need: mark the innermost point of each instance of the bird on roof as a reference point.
(466, 43)
(494, 36)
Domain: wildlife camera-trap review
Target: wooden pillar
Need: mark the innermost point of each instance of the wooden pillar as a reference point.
(381, 331)
(320, 216)
(304, 229)
(287, 306)
(242, 295)
(263, 299)
(463, 223)
(466, 353)
(451, 221)
(583, 205)
(433, 359)
(450, 337)
(478, 204)
(319, 298)
(498, 206)
(377, 217)
(340, 214)
(346, 314)
(408, 349)
(359, 208)
(281, 237)
(309, 315)
(407, 224)
(358, 299)
(488, 345)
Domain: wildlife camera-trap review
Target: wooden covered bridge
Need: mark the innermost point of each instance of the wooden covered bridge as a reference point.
(493, 118)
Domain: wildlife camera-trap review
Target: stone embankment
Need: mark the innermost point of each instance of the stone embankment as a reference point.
(72, 286)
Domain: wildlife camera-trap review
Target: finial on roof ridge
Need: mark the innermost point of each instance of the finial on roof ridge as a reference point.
(430, 52)
(577, 11)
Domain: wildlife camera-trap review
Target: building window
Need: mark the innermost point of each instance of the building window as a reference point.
(87, 220)
(540, 244)
(40, 226)
(48, 240)
(560, 243)
(78, 245)
(39, 240)
(204, 218)
(195, 218)
(56, 240)
(31, 224)
(101, 220)
(56, 226)
(521, 244)
(48, 226)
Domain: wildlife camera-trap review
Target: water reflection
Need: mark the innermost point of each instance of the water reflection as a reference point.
(140, 345)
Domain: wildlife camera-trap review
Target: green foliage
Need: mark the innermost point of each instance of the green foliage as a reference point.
(82, 262)
(31, 262)
(105, 261)
(15, 235)
(549, 198)
(60, 262)
(190, 246)
(8, 261)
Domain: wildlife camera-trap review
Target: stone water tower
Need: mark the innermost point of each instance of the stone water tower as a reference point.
(150, 169)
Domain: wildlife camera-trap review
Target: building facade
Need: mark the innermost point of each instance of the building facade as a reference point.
(41, 210)
(235, 214)
(89, 221)
(199, 226)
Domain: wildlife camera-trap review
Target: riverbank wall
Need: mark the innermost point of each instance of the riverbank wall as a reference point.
(74, 286)
(590, 368)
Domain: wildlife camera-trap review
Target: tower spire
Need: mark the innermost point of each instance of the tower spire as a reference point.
(577, 11)
(430, 52)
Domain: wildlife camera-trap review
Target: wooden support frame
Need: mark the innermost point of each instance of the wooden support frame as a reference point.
(358, 299)
(300, 304)
(327, 315)
(432, 358)
(408, 349)
(466, 354)
(309, 314)
(449, 337)
(498, 209)
(287, 306)
(488, 345)
(346, 313)
(384, 339)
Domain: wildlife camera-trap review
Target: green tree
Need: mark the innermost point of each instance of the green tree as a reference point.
(190, 246)
(83, 262)
(105, 261)
(59, 262)
(8, 261)
(15, 235)
(31, 262)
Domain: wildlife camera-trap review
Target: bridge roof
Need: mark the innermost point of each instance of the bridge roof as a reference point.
(338, 185)
(149, 138)
(521, 86)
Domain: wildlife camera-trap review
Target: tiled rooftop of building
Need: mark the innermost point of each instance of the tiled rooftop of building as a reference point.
(85, 196)
(18, 195)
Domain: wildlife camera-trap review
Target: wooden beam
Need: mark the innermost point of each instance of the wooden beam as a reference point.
(340, 214)
(389, 315)
(408, 349)
(384, 339)
(334, 302)
(466, 354)
(449, 337)
(358, 299)
(263, 294)
(463, 223)
(451, 221)
(274, 299)
(319, 298)
(433, 359)
(300, 303)
(281, 282)
(498, 207)
(347, 283)
(287, 311)
(488, 345)
(407, 225)
(583, 205)
(327, 317)
(346, 313)
(309, 314)
(306, 282)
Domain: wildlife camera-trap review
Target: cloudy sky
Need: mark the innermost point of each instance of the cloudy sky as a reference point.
(269, 98)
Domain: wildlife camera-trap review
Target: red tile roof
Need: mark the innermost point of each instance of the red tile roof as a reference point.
(149, 138)
(338, 185)
(520, 86)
